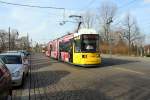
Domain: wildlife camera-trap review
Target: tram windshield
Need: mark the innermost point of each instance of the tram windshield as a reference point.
(90, 43)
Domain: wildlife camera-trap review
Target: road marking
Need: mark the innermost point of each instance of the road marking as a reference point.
(129, 70)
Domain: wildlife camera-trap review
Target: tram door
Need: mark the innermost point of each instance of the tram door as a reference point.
(71, 51)
(50, 50)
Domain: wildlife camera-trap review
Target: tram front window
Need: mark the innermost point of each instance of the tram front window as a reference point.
(90, 43)
(78, 45)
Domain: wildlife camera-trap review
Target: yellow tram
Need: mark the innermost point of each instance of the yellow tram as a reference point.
(86, 50)
(81, 48)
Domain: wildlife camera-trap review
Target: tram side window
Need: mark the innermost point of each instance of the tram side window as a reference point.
(62, 47)
(77, 45)
(65, 47)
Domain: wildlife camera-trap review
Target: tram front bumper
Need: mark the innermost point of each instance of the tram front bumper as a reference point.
(91, 62)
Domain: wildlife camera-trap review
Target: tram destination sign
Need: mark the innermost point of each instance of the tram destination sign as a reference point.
(90, 36)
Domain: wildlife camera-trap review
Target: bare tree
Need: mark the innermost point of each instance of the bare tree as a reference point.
(132, 32)
(89, 19)
(107, 13)
(14, 41)
(14, 35)
(23, 42)
(3, 35)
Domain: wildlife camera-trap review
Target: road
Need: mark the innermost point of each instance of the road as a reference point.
(115, 79)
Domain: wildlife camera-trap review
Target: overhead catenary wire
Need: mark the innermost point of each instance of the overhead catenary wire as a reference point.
(33, 6)
(129, 3)
(125, 5)
(89, 4)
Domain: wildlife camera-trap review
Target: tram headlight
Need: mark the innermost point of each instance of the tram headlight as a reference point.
(84, 56)
(98, 55)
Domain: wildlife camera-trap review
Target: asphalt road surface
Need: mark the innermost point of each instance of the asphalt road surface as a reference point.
(117, 78)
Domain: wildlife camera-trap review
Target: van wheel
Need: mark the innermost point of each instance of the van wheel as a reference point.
(10, 92)
(27, 73)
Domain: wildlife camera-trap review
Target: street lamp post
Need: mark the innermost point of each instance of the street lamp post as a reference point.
(109, 21)
(9, 38)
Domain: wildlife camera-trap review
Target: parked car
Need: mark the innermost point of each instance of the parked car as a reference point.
(26, 53)
(23, 53)
(17, 65)
(12, 51)
(5, 81)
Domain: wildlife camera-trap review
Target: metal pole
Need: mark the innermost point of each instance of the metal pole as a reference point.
(9, 38)
(109, 21)
(110, 42)
(28, 41)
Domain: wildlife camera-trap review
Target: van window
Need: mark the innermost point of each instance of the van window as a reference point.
(12, 59)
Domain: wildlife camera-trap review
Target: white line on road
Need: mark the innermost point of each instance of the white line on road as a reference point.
(129, 70)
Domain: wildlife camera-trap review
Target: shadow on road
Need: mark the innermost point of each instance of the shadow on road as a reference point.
(43, 63)
(125, 87)
(83, 94)
(43, 79)
(40, 65)
(107, 62)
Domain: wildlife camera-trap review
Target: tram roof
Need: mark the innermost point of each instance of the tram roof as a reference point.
(85, 31)
(80, 32)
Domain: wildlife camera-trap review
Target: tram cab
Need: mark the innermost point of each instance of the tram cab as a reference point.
(86, 49)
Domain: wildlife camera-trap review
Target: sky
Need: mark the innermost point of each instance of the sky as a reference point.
(42, 25)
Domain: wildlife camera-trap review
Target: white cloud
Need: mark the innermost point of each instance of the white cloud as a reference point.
(147, 1)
